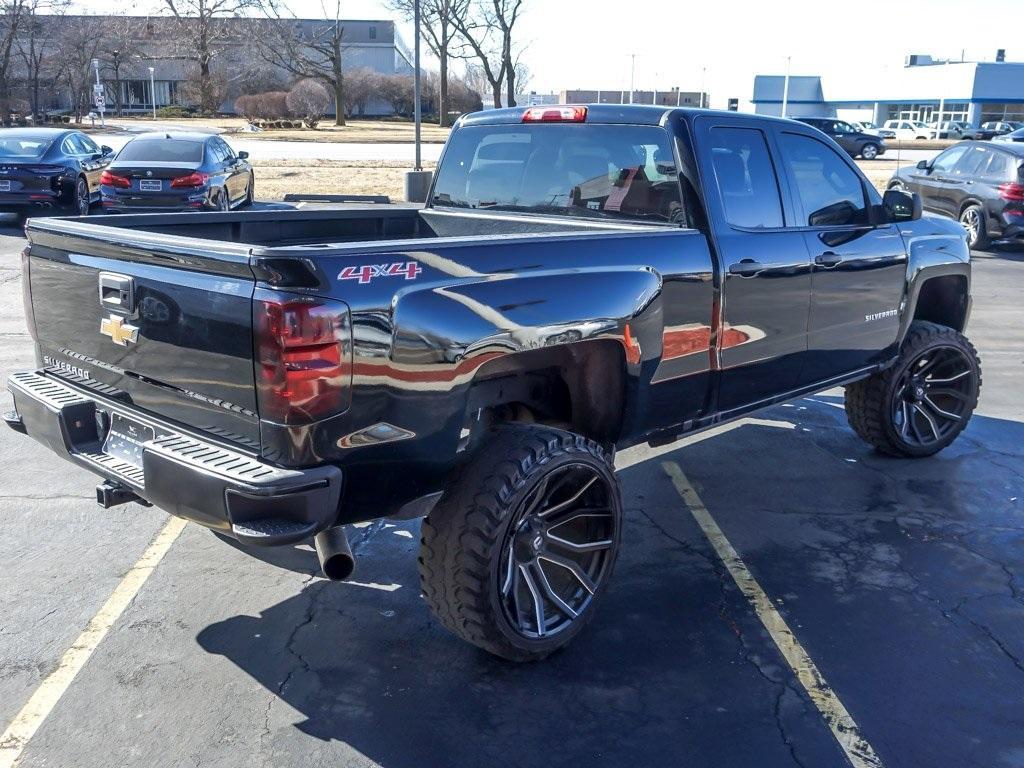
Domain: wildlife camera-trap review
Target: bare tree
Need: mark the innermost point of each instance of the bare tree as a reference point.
(439, 23)
(120, 47)
(12, 15)
(311, 51)
(504, 14)
(80, 39)
(37, 46)
(486, 33)
(201, 33)
(477, 43)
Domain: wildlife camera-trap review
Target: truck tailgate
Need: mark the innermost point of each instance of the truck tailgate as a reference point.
(148, 319)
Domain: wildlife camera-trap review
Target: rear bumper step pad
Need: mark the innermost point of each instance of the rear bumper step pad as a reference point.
(252, 501)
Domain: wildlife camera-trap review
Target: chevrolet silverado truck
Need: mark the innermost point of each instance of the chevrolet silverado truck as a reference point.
(582, 278)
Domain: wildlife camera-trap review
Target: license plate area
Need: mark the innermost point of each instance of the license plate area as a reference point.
(150, 185)
(5, 185)
(125, 439)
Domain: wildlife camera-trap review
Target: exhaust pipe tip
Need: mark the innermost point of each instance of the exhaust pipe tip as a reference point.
(336, 558)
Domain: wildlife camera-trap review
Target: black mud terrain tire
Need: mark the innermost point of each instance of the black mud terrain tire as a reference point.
(493, 568)
(921, 404)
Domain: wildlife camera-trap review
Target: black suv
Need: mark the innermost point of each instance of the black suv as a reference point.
(979, 183)
(856, 143)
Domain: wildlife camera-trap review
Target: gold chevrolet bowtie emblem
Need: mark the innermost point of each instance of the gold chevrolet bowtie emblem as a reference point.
(121, 333)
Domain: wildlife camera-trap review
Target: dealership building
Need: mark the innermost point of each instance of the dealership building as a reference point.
(924, 89)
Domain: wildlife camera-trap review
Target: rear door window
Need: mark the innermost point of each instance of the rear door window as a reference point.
(587, 170)
(1000, 168)
(829, 190)
(746, 178)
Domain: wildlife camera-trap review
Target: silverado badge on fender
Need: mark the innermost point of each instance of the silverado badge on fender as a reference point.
(120, 332)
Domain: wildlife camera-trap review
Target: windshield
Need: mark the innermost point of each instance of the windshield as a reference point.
(163, 151)
(23, 147)
(602, 171)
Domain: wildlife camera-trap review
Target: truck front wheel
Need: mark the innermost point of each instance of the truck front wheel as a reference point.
(519, 549)
(922, 403)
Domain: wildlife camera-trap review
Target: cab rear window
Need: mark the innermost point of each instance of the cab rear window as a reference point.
(588, 170)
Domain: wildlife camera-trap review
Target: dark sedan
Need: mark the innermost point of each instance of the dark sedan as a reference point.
(979, 183)
(855, 143)
(177, 172)
(47, 170)
(1017, 135)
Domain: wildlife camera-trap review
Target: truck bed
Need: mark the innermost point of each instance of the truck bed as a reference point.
(331, 225)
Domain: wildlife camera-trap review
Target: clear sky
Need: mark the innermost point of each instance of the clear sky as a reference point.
(587, 43)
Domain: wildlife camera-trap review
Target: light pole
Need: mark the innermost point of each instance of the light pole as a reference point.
(703, 86)
(632, 76)
(417, 181)
(785, 89)
(416, 82)
(152, 91)
(98, 98)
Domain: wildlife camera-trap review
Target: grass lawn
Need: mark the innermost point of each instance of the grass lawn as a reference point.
(356, 131)
(276, 178)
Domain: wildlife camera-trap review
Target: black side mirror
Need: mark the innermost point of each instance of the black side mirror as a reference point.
(922, 165)
(243, 155)
(902, 206)
(106, 150)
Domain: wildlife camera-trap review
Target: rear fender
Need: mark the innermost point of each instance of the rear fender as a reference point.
(462, 326)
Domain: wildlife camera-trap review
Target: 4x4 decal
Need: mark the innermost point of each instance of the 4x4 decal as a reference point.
(364, 274)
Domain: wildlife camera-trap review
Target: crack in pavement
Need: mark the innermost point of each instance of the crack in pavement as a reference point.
(315, 592)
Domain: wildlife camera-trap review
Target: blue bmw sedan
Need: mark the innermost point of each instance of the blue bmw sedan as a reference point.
(177, 172)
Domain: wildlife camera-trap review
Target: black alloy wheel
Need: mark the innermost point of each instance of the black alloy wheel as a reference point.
(82, 197)
(921, 403)
(557, 551)
(934, 394)
(519, 550)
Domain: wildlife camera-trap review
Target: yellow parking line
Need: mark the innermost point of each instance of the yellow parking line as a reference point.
(46, 696)
(847, 733)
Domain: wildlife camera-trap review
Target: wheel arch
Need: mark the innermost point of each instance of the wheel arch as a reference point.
(968, 203)
(940, 296)
(580, 387)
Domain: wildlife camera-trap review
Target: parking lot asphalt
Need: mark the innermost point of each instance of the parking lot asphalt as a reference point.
(903, 580)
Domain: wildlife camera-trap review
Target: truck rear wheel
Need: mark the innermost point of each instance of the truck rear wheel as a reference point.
(519, 549)
(922, 403)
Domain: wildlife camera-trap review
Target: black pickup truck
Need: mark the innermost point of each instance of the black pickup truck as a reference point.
(581, 279)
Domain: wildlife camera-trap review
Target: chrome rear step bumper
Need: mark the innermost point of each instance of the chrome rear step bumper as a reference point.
(224, 489)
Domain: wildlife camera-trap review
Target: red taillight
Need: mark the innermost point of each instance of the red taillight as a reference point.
(555, 115)
(304, 357)
(113, 180)
(1013, 192)
(195, 179)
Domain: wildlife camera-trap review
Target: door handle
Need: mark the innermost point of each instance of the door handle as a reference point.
(828, 259)
(746, 268)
